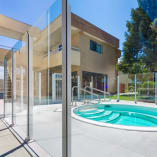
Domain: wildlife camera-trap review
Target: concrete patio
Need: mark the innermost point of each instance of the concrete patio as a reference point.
(9, 145)
(88, 140)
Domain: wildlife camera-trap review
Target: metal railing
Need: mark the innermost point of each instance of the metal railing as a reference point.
(59, 49)
(104, 93)
(84, 98)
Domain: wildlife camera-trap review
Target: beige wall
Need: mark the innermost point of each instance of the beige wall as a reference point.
(85, 60)
(99, 63)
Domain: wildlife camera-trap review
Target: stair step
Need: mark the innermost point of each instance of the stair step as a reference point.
(91, 113)
(113, 117)
(105, 114)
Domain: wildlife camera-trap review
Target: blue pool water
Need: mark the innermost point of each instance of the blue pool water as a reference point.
(119, 114)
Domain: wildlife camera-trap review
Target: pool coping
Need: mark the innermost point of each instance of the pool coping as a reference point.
(121, 127)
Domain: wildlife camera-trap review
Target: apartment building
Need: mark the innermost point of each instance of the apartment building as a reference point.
(94, 54)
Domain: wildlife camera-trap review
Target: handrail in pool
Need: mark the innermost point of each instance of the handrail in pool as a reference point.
(85, 91)
(105, 93)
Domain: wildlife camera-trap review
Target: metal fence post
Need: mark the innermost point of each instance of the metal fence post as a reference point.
(78, 89)
(53, 87)
(148, 92)
(156, 88)
(105, 90)
(135, 89)
(21, 86)
(4, 84)
(66, 79)
(49, 45)
(118, 88)
(30, 89)
(13, 83)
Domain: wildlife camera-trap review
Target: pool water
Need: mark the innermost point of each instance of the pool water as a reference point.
(119, 114)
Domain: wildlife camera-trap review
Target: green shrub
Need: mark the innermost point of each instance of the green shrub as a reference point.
(145, 84)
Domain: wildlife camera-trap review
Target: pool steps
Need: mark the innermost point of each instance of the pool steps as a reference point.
(106, 116)
(110, 114)
(88, 114)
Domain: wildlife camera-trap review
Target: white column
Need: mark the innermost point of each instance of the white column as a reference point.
(53, 87)
(78, 89)
(118, 88)
(15, 77)
(39, 87)
(21, 81)
(91, 86)
(105, 90)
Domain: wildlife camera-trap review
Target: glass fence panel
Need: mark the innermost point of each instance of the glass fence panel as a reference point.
(146, 87)
(20, 51)
(126, 87)
(46, 48)
(115, 38)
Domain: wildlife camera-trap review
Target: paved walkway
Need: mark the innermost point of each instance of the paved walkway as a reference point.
(9, 145)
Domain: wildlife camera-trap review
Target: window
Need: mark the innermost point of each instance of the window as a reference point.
(94, 46)
(60, 47)
(99, 48)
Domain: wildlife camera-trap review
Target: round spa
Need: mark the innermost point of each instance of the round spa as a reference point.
(129, 117)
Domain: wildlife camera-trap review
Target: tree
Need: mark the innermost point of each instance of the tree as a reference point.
(150, 7)
(139, 49)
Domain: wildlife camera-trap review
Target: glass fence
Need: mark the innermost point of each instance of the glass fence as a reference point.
(137, 87)
(33, 86)
(146, 87)
(45, 35)
(105, 103)
(113, 78)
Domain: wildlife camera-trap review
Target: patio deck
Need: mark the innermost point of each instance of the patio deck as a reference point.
(89, 140)
(9, 145)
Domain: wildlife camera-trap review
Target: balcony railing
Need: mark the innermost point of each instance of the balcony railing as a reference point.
(59, 48)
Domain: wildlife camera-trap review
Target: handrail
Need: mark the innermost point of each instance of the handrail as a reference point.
(84, 94)
(100, 92)
(57, 50)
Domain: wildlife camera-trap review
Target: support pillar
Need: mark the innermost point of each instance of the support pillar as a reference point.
(21, 81)
(39, 87)
(53, 87)
(91, 87)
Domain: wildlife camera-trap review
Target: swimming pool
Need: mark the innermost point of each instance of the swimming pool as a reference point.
(128, 117)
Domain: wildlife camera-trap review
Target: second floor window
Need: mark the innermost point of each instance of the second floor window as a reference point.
(94, 46)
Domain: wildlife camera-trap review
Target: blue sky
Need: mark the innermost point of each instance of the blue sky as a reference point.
(109, 15)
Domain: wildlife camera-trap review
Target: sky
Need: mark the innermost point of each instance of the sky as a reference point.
(109, 15)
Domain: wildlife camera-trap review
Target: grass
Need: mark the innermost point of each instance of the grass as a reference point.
(125, 97)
